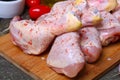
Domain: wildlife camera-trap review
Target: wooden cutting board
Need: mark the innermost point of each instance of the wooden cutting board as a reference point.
(36, 66)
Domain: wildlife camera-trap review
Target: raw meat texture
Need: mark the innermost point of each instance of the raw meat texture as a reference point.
(65, 16)
(59, 25)
(90, 16)
(33, 37)
(109, 29)
(116, 12)
(103, 5)
(65, 55)
(90, 44)
(14, 20)
(75, 6)
(118, 6)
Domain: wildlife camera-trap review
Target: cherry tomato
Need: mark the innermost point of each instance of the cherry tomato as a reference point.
(31, 3)
(38, 10)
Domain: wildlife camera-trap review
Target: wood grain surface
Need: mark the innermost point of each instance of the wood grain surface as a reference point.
(36, 66)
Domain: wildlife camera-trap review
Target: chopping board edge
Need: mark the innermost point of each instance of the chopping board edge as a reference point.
(19, 67)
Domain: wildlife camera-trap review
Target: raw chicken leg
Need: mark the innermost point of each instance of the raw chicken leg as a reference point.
(90, 43)
(33, 37)
(109, 29)
(65, 56)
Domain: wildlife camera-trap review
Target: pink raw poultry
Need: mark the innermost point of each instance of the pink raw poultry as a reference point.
(109, 28)
(90, 16)
(90, 43)
(116, 12)
(33, 37)
(65, 56)
(103, 5)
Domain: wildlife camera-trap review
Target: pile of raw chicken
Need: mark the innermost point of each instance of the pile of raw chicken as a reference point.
(77, 30)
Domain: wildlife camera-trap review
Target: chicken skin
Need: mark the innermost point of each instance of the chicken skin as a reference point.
(65, 55)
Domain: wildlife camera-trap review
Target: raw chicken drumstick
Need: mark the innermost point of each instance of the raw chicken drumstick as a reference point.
(33, 37)
(90, 43)
(109, 28)
(65, 55)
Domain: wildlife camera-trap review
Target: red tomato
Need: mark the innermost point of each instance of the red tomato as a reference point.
(37, 11)
(31, 3)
